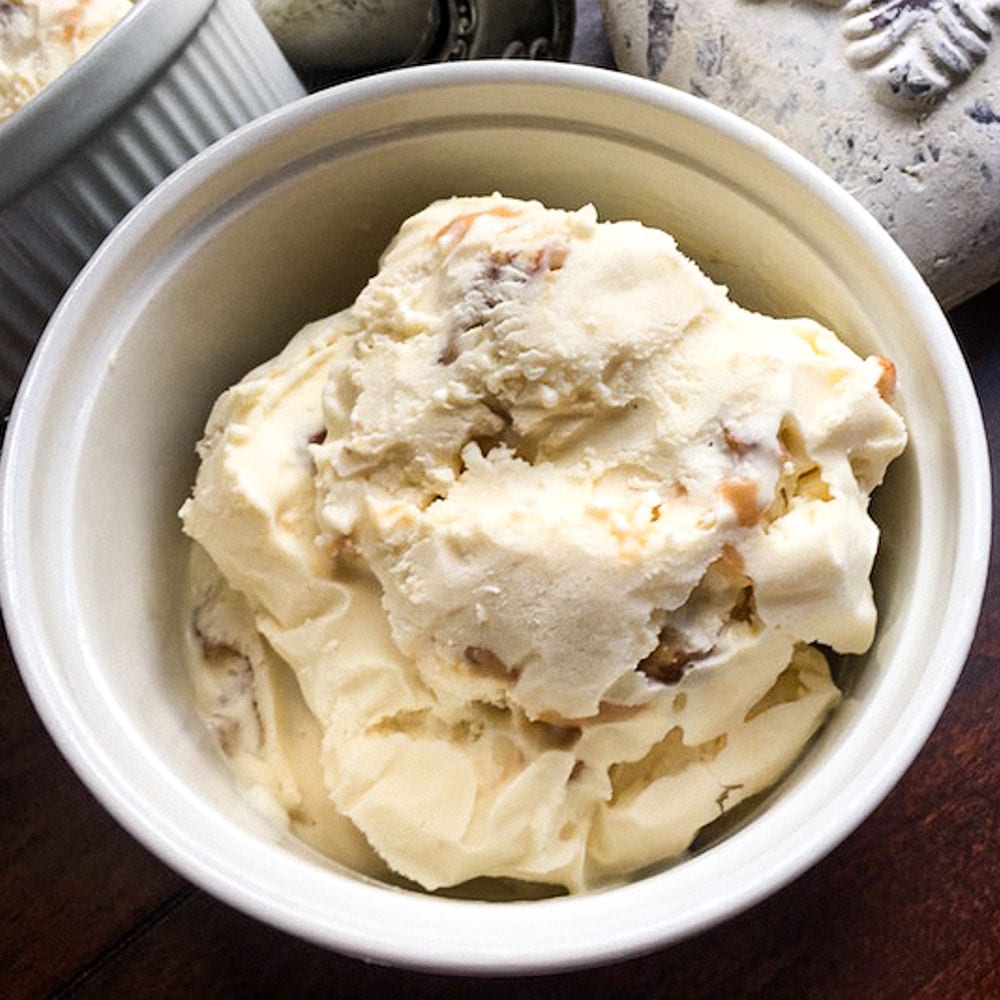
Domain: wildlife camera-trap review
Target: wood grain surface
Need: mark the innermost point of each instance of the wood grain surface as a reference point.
(908, 906)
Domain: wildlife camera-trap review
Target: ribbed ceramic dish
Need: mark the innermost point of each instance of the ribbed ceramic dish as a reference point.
(167, 81)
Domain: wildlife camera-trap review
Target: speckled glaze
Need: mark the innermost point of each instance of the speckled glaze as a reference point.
(898, 100)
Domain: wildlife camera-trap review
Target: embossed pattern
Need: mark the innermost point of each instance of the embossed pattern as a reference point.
(915, 51)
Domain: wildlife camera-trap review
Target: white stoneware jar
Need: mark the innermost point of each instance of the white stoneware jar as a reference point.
(898, 100)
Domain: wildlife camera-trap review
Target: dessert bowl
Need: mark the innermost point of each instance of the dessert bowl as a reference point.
(283, 222)
(165, 82)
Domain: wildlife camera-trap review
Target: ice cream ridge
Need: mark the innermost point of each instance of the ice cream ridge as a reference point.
(41, 39)
(518, 567)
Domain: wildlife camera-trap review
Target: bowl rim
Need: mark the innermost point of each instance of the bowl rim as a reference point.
(519, 938)
(65, 113)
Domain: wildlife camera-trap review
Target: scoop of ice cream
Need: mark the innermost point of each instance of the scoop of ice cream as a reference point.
(41, 39)
(545, 527)
(544, 418)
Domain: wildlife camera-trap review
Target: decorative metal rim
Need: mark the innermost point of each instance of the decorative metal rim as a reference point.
(477, 29)
(459, 30)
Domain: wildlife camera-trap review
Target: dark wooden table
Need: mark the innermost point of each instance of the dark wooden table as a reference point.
(909, 906)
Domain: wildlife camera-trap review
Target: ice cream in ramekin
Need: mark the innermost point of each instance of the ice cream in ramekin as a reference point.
(526, 565)
(41, 39)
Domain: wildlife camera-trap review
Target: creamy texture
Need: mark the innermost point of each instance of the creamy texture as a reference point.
(41, 39)
(544, 527)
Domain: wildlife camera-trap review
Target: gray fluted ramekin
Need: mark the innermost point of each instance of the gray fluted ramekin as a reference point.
(167, 81)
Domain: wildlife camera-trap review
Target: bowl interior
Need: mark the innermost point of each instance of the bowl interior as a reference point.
(283, 223)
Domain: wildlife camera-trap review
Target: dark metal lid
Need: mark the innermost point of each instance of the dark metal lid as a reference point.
(480, 29)
(486, 29)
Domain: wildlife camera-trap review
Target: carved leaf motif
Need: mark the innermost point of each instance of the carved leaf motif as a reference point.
(915, 51)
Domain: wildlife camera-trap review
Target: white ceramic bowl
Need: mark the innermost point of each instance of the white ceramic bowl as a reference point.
(168, 80)
(283, 222)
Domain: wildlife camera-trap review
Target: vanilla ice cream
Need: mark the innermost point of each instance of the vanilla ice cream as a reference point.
(41, 39)
(517, 567)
